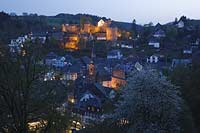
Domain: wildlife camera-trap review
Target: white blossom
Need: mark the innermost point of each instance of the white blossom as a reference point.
(150, 103)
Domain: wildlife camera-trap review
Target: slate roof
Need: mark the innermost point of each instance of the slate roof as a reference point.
(39, 34)
(51, 55)
(74, 68)
(153, 40)
(103, 70)
(101, 89)
(160, 32)
(114, 52)
(69, 58)
(86, 60)
(176, 62)
(89, 99)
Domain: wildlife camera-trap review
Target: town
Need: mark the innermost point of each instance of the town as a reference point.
(93, 59)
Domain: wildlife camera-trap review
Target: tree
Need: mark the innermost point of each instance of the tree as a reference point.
(188, 79)
(24, 96)
(171, 32)
(176, 20)
(150, 103)
(84, 19)
(150, 24)
(134, 29)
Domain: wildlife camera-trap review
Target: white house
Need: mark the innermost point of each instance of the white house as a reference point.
(16, 44)
(21, 40)
(50, 59)
(42, 39)
(160, 33)
(40, 36)
(128, 46)
(70, 76)
(187, 51)
(59, 62)
(71, 72)
(153, 59)
(114, 54)
(91, 106)
(197, 42)
(181, 62)
(49, 76)
(154, 43)
(56, 61)
(101, 23)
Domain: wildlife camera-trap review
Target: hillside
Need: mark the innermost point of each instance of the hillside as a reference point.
(69, 18)
(14, 26)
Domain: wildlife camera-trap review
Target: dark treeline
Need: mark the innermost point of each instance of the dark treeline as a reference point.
(13, 26)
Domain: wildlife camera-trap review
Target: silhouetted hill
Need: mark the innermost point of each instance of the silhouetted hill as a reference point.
(14, 26)
(69, 18)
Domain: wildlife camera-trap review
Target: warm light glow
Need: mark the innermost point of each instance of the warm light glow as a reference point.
(101, 23)
(71, 45)
(72, 42)
(91, 69)
(123, 121)
(116, 83)
(37, 124)
(23, 52)
(111, 34)
(76, 125)
(102, 32)
(107, 84)
(71, 99)
(70, 28)
(74, 38)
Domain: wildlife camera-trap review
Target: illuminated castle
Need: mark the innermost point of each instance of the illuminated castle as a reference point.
(71, 41)
(71, 38)
(102, 32)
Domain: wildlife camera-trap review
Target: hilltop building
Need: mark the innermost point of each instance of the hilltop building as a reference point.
(180, 24)
(103, 31)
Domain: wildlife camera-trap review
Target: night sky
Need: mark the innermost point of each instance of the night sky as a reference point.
(143, 11)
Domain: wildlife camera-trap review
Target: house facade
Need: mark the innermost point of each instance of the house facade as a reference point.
(158, 34)
(115, 54)
(155, 43)
(153, 59)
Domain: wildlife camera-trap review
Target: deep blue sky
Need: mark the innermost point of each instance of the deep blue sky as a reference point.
(143, 11)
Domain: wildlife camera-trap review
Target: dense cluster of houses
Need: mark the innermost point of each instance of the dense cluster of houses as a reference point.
(96, 80)
(155, 40)
(179, 53)
(16, 45)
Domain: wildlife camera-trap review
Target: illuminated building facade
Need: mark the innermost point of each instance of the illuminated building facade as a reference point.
(73, 28)
(118, 79)
(101, 36)
(112, 34)
(102, 32)
(71, 41)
